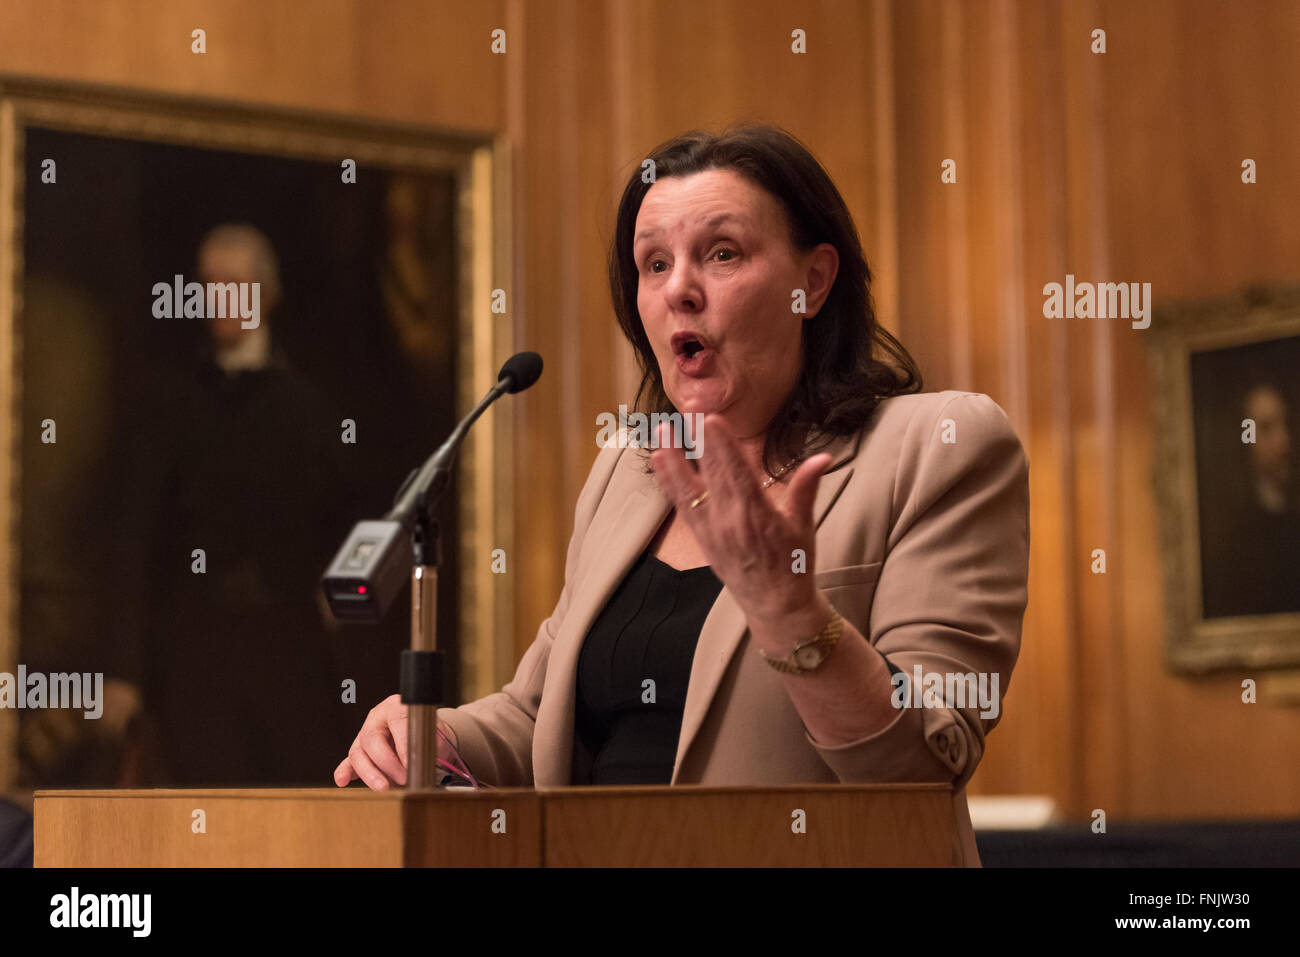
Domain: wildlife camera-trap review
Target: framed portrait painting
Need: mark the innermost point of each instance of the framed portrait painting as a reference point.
(179, 483)
(1226, 387)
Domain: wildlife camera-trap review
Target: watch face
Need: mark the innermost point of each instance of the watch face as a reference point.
(810, 656)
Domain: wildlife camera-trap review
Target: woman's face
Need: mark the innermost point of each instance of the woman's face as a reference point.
(716, 277)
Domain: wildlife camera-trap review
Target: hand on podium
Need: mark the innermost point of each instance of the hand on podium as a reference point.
(378, 755)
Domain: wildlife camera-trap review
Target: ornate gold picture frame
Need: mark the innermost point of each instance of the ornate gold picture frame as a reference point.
(476, 167)
(1226, 396)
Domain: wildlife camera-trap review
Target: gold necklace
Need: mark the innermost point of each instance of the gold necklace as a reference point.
(779, 472)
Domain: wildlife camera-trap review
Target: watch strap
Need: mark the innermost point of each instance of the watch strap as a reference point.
(827, 637)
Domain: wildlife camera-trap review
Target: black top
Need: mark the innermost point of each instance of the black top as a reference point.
(647, 632)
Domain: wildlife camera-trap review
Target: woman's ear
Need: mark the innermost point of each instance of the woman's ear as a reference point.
(823, 265)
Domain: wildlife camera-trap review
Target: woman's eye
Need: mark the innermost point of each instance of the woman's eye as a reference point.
(730, 253)
(653, 263)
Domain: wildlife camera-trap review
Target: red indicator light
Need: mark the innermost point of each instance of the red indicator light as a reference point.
(361, 589)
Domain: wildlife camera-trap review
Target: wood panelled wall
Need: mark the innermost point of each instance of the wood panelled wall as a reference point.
(1121, 166)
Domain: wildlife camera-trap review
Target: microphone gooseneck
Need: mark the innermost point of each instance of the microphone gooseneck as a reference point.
(369, 569)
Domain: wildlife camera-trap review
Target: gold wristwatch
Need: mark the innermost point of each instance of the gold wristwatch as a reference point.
(808, 655)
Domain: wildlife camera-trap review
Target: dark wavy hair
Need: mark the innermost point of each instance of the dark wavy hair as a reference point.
(844, 376)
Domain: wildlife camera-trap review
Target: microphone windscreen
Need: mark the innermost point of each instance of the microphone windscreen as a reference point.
(521, 370)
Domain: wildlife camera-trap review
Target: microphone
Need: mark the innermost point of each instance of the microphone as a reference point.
(522, 369)
(372, 565)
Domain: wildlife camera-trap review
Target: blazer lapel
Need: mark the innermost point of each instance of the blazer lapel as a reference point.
(618, 537)
(615, 539)
(725, 627)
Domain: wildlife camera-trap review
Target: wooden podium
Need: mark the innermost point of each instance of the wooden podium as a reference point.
(682, 826)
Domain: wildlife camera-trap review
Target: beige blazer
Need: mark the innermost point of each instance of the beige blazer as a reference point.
(922, 543)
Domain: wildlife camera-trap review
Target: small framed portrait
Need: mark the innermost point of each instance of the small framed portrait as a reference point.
(1227, 477)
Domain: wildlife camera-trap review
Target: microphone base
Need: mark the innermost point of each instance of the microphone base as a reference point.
(421, 682)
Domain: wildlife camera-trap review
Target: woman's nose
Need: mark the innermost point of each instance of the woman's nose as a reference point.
(683, 288)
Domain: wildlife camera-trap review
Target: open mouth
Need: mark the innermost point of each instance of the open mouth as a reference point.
(688, 345)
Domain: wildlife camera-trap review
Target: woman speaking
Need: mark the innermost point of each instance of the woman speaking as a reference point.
(759, 612)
